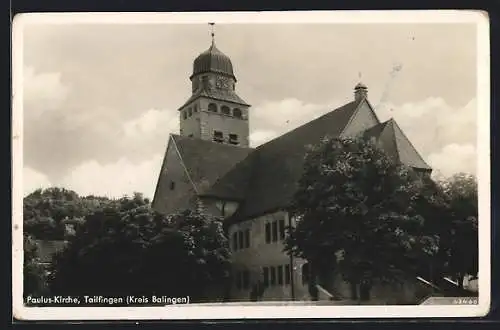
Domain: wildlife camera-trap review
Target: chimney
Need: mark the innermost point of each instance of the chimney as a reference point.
(360, 92)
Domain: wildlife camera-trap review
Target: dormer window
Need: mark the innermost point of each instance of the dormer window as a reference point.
(237, 113)
(225, 110)
(218, 136)
(233, 139)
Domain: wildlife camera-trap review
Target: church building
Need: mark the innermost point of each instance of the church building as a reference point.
(211, 166)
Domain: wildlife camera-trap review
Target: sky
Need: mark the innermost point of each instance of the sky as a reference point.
(100, 100)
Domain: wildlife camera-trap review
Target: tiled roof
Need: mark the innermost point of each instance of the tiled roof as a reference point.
(216, 94)
(397, 146)
(207, 161)
(264, 179)
(278, 164)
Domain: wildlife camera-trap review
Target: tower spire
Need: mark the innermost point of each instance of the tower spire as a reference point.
(212, 33)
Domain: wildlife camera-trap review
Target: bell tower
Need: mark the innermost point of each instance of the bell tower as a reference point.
(214, 111)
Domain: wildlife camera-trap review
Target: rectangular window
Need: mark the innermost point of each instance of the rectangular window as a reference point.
(190, 112)
(266, 277)
(282, 229)
(184, 114)
(246, 280)
(172, 185)
(235, 241)
(240, 240)
(280, 275)
(273, 275)
(268, 232)
(247, 238)
(233, 139)
(238, 280)
(275, 231)
(195, 108)
(218, 136)
(287, 274)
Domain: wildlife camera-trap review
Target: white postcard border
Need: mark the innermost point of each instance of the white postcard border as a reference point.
(258, 312)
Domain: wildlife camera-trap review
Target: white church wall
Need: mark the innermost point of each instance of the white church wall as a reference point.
(261, 254)
(174, 191)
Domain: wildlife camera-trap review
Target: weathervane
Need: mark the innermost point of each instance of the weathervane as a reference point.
(212, 33)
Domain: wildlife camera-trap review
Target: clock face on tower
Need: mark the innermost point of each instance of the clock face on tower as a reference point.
(222, 82)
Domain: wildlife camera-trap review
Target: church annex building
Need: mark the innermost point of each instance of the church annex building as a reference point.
(211, 166)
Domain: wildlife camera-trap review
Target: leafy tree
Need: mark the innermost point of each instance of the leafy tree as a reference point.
(459, 231)
(34, 274)
(358, 210)
(128, 249)
(50, 214)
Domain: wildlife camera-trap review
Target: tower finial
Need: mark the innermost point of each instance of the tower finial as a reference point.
(212, 33)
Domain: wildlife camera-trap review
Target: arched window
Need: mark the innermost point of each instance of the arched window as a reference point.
(212, 107)
(225, 110)
(237, 113)
(305, 273)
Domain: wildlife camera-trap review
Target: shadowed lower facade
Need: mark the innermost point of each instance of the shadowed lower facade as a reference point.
(210, 166)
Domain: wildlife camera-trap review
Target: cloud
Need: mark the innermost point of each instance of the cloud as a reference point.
(33, 180)
(115, 180)
(43, 89)
(454, 158)
(273, 118)
(150, 123)
(445, 135)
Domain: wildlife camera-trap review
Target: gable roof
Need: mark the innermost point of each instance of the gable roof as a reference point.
(264, 179)
(207, 161)
(397, 146)
(222, 95)
(277, 165)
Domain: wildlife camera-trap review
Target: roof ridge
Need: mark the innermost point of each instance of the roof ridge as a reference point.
(408, 140)
(307, 124)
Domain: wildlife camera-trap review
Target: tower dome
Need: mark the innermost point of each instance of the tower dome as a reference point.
(213, 60)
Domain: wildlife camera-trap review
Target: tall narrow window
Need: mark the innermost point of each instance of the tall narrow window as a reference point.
(184, 114)
(238, 280)
(247, 238)
(282, 229)
(237, 113)
(280, 275)
(212, 107)
(274, 231)
(235, 241)
(246, 279)
(266, 276)
(305, 273)
(190, 112)
(218, 136)
(268, 232)
(233, 139)
(195, 108)
(288, 275)
(172, 185)
(273, 275)
(225, 110)
(240, 240)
